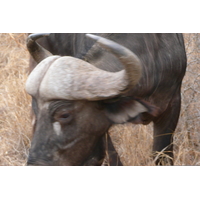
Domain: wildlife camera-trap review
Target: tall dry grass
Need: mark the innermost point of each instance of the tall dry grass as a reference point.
(133, 142)
(15, 125)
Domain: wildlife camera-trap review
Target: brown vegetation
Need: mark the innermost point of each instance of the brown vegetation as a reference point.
(15, 125)
(133, 142)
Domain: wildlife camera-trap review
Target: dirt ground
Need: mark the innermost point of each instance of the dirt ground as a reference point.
(133, 142)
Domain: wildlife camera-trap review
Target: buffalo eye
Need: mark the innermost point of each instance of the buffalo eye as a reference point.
(62, 116)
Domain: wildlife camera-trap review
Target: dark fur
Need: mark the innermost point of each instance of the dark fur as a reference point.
(163, 60)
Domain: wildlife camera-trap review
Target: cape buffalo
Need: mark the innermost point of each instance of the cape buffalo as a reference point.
(84, 83)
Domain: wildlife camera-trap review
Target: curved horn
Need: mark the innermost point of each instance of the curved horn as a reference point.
(71, 78)
(130, 61)
(37, 51)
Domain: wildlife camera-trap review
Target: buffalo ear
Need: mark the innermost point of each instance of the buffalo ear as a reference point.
(131, 109)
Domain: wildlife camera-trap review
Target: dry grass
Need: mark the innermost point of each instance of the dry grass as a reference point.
(134, 143)
(15, 125)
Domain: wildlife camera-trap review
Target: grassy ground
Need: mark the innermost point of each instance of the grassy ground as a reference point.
(134, 143)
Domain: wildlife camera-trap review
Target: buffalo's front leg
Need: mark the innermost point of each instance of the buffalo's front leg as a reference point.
(164, 127)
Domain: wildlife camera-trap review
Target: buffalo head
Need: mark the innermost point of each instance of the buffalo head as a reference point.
(76, 103)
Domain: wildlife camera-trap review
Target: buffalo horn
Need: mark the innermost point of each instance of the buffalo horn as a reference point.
(37, 51)
(71, 78)
(129, 60)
